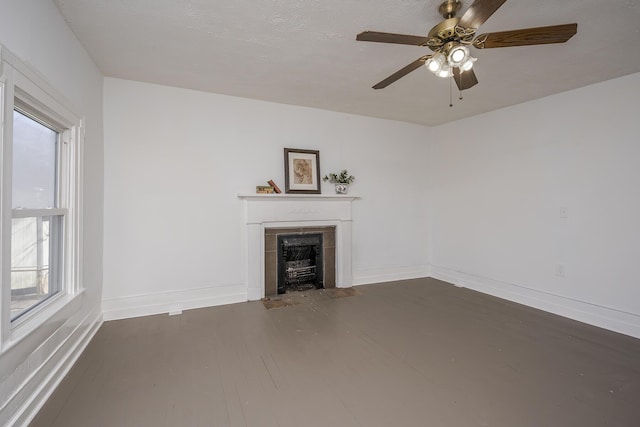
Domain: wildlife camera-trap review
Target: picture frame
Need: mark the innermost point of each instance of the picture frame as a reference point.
(301, 171)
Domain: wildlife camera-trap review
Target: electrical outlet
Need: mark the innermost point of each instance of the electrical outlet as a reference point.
(560, 270)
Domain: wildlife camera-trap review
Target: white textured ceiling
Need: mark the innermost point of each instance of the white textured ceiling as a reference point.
(304, 52)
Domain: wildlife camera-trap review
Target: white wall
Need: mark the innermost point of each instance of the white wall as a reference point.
(484, 194)
(35, 32)
(499, 182)
(176, 159)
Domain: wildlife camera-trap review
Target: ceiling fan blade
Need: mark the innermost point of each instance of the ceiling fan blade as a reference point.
(479, 12)
(526, 36)
(464, 80)
(376, 36)
(401, 73)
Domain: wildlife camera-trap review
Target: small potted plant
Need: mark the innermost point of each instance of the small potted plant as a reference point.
(341, 180)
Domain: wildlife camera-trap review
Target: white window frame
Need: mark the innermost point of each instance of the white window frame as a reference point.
(21, 86)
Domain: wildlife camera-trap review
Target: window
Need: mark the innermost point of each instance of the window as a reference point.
(36, 249)
(40, 202)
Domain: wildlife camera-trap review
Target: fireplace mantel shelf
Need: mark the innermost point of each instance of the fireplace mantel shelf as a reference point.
(253, 196)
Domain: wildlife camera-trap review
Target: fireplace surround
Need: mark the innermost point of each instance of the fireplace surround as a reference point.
(294, 212)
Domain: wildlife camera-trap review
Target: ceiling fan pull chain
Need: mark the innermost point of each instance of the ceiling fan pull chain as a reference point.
(451, 92)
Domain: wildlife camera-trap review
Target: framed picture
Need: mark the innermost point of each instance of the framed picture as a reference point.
(301, 171)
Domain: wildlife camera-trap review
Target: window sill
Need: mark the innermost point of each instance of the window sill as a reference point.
(37, 317)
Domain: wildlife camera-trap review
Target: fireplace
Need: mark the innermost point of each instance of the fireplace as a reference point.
(268, 215)
(299, 265)
(298, 259)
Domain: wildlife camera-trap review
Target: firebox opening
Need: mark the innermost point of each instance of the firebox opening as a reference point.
(300, 262)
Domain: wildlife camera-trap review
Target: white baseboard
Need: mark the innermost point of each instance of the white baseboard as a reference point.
(365, 277)
(24, 405)
(593, 314)
(173, 301)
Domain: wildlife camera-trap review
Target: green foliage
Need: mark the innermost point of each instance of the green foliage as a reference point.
(342, 178)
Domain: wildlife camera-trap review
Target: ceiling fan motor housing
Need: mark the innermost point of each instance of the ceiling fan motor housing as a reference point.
(449, 31)
(449, 8)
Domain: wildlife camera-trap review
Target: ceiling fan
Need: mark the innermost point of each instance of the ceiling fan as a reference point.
(449, 40)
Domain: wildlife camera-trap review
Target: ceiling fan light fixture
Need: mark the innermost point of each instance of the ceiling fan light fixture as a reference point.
(435, 63)
(458, 55)
(445, 71)
(468, 64)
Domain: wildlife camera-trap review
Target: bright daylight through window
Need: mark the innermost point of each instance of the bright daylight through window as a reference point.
(35, 239)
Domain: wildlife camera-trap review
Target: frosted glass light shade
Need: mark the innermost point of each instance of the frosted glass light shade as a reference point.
(435, 63)
(445, 71)
(468, 64)
(458, 55)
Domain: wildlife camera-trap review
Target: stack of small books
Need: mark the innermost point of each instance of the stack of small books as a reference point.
(268, 189)
(264, 189)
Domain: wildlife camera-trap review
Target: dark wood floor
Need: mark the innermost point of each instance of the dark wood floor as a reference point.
(410, 353)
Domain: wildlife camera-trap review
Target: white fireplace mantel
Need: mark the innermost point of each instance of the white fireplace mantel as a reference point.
(291, 211)
(274, 196)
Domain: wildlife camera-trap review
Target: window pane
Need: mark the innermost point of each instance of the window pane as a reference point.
(33, 274)
(34, 163)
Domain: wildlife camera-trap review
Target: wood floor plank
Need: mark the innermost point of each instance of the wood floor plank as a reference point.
(409, 353)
